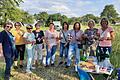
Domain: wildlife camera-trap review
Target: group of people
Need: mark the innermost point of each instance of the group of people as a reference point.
(93, 41)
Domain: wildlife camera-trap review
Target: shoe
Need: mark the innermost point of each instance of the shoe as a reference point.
(6, 78)
(15, 67)
(65, 63)
(67, 66)
(76, 68)
(33, 68)
(21, 66)
(52, 64)
(60, 63)
(28, 71)
(46, 66)
(11, 75)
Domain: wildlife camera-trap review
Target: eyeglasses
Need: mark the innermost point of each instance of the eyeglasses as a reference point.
(17, 25)
(29, 28)
(9, 26)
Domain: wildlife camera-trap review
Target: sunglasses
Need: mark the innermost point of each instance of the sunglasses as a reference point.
(29, 28)
(8, 26)
(17, 25)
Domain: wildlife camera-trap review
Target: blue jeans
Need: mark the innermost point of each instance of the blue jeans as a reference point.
(50, 54)
(73, 50)
(30, 55)
(9, 62)
(63, 50)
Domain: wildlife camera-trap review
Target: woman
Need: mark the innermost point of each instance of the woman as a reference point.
(64, 44)
(29, 41)
(90, 36)
(75, 44)
(51, 39)
(39, 35)
(8, 46)
(20, 44)
(106, 35)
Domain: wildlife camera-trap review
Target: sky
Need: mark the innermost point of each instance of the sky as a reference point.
(70, 8)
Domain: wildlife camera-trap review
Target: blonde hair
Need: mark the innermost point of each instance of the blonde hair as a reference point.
(91, 20)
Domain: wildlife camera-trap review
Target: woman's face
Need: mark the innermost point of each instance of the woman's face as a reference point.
(17, 26)
(104, 23)
(37, 26)
(77, 26)
(8, 27)
(90, 24)
(65, 26)
(29, 30)
(51, 26)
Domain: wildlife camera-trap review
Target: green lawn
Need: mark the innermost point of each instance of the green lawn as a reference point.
(60, 72)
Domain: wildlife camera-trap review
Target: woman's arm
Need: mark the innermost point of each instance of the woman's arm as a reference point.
(112, 36)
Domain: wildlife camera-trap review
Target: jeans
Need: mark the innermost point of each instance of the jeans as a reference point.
(30, 54)
(50, 54)
(9, 62)
(38, 52)
(73, 50)
(63, 50)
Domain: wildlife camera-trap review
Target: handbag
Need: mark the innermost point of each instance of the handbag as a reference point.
(67, 42)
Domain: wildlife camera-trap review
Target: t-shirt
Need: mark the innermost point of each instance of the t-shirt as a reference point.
(62, 36)
(75, 36)
(38, 36)
(105, 34)
(29, 37)
(49, 36)
(90, 34)
(18, 37)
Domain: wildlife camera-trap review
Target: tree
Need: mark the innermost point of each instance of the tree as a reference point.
(5, 9)
(64, 19)
(42, 17)
(87, 17)
(10, 12)
(109, 12)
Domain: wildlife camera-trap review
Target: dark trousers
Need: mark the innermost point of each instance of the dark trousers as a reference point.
(20, 50)
(9, 62)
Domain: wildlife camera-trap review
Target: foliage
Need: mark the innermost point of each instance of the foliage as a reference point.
(109, 12)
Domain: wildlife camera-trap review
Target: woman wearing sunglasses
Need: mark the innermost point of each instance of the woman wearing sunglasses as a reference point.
(20, 44)
(8, 47)
(29, 41)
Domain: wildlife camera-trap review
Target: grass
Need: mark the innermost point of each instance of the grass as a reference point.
(60, 72)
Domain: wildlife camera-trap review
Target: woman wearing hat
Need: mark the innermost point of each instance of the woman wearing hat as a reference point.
(29, 41)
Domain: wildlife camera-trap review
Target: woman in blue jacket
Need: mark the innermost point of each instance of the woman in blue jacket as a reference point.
(8, 47)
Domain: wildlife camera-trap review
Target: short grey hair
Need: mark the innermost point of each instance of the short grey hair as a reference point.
(91, 20)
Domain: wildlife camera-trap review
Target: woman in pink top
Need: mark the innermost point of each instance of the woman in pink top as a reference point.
(51, 39)
(106, 35)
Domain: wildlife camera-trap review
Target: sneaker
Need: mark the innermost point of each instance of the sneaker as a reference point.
(76, 68)
(46, 66)
(60, 63)
(15, 67)
(33, 68)
(11, 75)
(65, 63)
(52, 64)
(21, 66)
(28, 71)
(67, 66)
